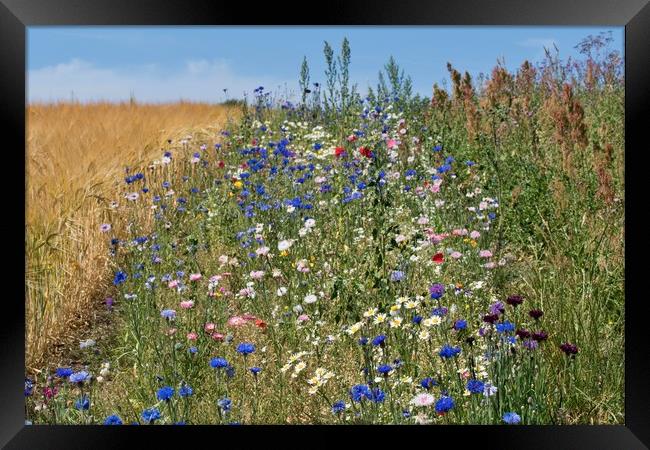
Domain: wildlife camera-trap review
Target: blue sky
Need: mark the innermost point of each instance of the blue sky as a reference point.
(159, 64)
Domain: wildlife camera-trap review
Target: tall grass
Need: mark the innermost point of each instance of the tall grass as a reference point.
(76, 157)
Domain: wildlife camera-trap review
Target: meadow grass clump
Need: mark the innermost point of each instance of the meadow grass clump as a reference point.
(387, 259)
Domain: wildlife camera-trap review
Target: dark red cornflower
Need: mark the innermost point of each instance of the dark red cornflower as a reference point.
(515, 300)
(523, 333)
(535, 313)
(540, 336)
(569, 349)
(365, 151)
(221, 164)
(490, 318)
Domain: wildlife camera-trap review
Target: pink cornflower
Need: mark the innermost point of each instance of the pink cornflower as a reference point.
(423, 399)
(192, 336)
(490, 265)
(475, 235)
(195, 277)
(456, 255)
(105, 227)
(459, 232)
(209, 327)
(257, 274)
(217, 337)
(303, 318)
(50, 392)
(485, 254)
(392, 143)
(172, 284)
(236, 321)
(187, 304)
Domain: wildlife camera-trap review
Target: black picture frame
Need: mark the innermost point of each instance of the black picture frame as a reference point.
(16, 15)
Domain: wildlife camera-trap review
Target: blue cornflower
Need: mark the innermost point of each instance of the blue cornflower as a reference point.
(338, 407)
(120, 277)
(505, 327)
(63, 372)
(29, 387)
(448, 351)
(165, 393)
(225, 404)
(359, 392)
(113, 420)
(397, 275)
(168, 314)
(230, 371)
(441, 312)
(444, 404)
(437, 290)
(193, 350)
(219, 363)
(417, 320)
(511, 418)
(460, 324)
(255, 370)
(379, 340)
(82, 403)
(245, 348)
(384, 369)
(428, 383)
(150, 415)
(475, 386)
(79, 377)
(378, 396)
(185, 391)
(363, 341)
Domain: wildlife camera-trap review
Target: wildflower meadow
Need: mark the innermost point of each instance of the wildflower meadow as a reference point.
(367, 257)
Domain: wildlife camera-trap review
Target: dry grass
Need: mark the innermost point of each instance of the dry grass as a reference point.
(76, 156)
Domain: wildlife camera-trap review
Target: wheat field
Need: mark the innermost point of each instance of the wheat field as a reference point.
(76, 155)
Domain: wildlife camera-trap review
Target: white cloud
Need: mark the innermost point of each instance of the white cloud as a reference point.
(538, 43)
(198, 80)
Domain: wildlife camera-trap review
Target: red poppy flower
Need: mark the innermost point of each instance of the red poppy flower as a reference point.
(438, 258)
(259, 323)
(365, 151)
(339, 151)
